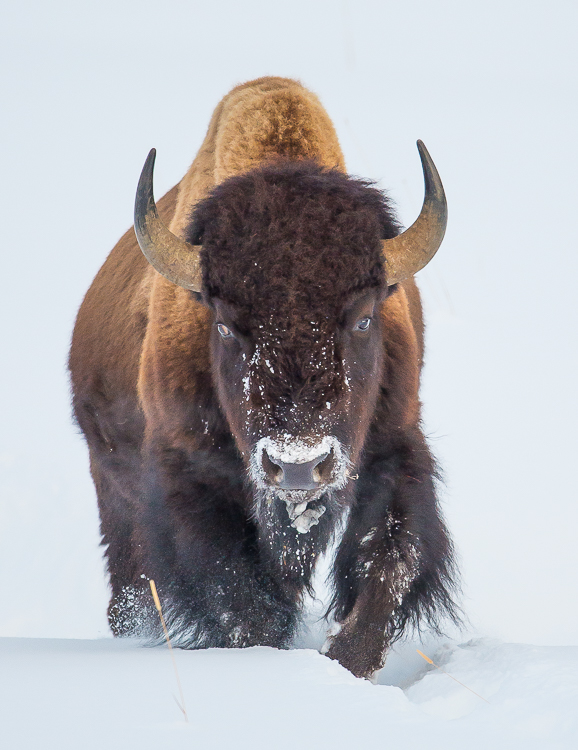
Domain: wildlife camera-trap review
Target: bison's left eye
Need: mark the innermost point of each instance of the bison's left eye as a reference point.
(362, 325)
(225, 332)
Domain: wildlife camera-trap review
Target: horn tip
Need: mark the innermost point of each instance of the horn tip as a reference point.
(152, 155)
(423, 152)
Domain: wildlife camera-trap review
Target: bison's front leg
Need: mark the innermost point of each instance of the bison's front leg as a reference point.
(383, 573)
(393, 565)
(201, 546)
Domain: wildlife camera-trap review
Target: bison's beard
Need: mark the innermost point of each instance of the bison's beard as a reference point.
(295, 528)
(293, 513)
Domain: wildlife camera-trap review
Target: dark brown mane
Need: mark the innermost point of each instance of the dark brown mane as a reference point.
(262, 225)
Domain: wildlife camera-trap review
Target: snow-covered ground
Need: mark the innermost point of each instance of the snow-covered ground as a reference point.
(86, 89)
(110, 694)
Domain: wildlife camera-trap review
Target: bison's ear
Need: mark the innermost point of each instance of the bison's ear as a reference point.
(175, 259)
(410, 251)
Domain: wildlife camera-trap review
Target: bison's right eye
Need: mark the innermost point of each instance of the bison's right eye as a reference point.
(224, 331)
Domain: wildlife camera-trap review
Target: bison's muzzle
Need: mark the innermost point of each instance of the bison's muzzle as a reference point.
(294, 476)
(297, 465)
(299, 473)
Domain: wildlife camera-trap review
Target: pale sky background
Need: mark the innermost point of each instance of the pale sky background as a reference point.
(491, 88)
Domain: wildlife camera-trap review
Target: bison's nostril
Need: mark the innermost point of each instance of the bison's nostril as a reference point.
(323, 472)
(308, 475)
(273, 472)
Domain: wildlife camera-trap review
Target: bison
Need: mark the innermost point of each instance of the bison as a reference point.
(248, 389)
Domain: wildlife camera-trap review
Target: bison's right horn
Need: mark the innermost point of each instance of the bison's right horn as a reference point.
(175, 259)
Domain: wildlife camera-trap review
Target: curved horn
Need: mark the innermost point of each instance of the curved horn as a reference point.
(410, 251)
(175, 259)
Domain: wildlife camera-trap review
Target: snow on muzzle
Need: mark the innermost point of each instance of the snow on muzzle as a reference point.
(292, 464)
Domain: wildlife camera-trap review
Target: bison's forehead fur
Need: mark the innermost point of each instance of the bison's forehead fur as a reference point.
(292, 240)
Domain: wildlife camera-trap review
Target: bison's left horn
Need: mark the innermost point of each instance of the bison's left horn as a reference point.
(409, 252)
(175, 259)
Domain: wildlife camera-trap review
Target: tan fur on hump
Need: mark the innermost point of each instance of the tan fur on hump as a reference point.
(256, 122)
(288, 122)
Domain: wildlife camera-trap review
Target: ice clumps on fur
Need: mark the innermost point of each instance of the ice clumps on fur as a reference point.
(308, 518)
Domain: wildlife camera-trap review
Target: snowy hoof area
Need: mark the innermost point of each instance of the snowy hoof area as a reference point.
(114, 694)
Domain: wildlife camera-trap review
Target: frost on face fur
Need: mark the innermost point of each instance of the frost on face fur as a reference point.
(291, 450)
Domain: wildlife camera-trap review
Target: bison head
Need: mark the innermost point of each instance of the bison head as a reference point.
(293, 268)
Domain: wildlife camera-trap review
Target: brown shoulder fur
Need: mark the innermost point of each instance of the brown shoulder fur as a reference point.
(113, 346)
